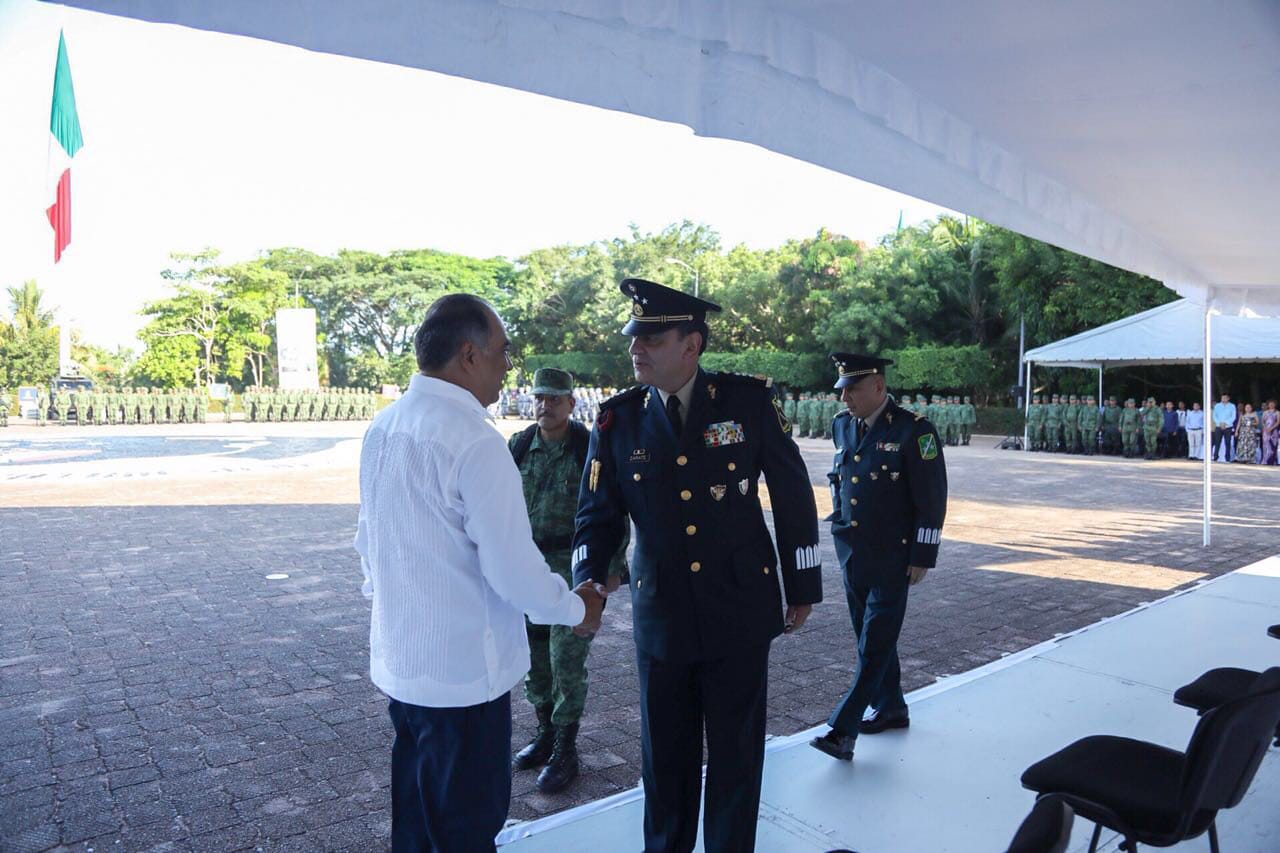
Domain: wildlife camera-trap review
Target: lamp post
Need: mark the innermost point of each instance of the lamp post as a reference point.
(690, 268)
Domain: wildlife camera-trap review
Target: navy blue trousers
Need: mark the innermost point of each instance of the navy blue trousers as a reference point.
(450, 776)
(677, 700)
(877, 606)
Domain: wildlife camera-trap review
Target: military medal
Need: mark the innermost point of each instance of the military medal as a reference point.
(718, 492)
(725, 432)
(743, 486)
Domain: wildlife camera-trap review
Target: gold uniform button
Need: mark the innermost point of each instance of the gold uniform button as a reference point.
(857, 458)
(733, 466)
(853, 523)
(766, 570)
(695, 567)
(691, 529)
(636, 476)
(904, 541)
(884, 467)
(853, 501)
(682, 460)
(686, 495)
(639, 583)
(854, 478)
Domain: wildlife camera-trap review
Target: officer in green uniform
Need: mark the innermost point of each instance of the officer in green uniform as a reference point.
(789, 410)
(42, 405)
(62, 405)
(1035, 423)
(1070, 424)
(1130, 423)
(968, 419)
(1053, 424)
(551, 455)
(1111, 428)
(1089, 418)
(1152, 421)
(4, 407)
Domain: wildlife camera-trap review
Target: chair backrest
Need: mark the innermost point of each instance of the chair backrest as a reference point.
(1228, 745)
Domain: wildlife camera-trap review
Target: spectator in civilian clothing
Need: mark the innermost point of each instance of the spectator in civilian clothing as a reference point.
(1181, 451)
(1169, 431)
(1247, 429)
(1195, 432)
(1224, 424)
(1270, 419)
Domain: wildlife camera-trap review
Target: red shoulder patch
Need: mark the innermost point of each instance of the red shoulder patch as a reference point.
(604, 420)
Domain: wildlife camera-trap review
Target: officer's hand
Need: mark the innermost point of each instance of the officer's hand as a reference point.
(916, 574)
(796, 614)
(615, 581)
(593, 596)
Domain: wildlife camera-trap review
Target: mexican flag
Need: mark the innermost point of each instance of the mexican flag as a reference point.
(64, 142)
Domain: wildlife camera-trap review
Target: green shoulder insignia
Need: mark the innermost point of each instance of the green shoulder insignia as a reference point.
(928, 446)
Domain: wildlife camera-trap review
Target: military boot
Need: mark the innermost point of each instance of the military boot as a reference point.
(563, 766)
(539, 749)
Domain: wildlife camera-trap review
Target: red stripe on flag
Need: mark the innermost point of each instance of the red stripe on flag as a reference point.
(60, 216)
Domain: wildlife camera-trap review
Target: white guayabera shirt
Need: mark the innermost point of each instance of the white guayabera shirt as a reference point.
(447, 553)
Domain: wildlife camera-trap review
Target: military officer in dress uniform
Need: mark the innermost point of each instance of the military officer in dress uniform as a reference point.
(889, 499)
(681, 454)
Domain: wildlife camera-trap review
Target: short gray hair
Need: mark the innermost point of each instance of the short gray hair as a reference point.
(451, 321)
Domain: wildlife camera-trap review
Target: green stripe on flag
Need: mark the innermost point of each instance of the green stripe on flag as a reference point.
(64, 121)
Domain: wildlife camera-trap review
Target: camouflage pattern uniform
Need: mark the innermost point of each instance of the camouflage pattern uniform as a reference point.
(1089, 418)
(4, 408)
(968, 419)
(1152, 422)
(1053, 423)
(62, 405)
(1071, 425)
(42, 406)
(1111, 428)
(1130, 422)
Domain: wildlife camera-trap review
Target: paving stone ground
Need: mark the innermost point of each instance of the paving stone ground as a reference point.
(158, 691)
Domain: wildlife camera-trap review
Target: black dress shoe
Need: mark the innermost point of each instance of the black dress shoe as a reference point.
(1274, 631)
(884, 721)
(835, 744)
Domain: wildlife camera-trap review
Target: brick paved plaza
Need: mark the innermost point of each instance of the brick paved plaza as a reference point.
(158, 690)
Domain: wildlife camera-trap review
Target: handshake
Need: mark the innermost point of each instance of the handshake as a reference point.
(593, 595)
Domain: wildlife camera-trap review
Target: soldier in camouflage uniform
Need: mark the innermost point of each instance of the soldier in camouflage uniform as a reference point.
(1130, 423)
(1035, 423)
(4, 407)
(1053, 424)
(62, 405)
(1089, 419)
(1111, 428)
(551, 455)
(789, 411)
(42, 406)
(1152, 422)
(99, 407)
(1071, 424)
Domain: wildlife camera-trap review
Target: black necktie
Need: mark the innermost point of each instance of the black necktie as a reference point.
(862, 431)
(673, 412)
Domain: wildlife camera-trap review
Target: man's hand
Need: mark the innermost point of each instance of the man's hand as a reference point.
(593, 596)
(615, 581)
(916, 573)
(796, 614)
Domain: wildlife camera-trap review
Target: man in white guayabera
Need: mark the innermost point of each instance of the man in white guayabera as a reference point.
(450, 564)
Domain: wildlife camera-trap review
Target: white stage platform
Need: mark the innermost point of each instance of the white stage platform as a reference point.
(950, 782)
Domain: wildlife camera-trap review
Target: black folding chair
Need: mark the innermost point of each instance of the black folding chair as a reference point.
(1045, 829)
(1154, 795)
(1219, 685)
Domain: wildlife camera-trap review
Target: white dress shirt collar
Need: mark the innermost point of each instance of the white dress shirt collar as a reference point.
(871, 419)
(422, 384)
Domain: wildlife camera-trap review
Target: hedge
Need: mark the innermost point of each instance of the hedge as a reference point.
(940, 368)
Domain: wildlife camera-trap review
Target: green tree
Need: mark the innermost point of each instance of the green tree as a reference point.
(28, 339)
(196, 311)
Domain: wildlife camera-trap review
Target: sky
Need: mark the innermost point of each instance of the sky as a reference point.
(195, 139)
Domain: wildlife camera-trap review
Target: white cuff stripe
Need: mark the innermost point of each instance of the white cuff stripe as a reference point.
(929, 535)
(579, 554)
(808, 557)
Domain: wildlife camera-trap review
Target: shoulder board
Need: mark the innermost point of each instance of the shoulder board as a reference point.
(623, 396)
(745, 379)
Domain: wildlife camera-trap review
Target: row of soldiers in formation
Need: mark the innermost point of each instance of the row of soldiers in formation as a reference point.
(519, 402)
(102, 406)
(322, 404)
(811, 415)
(1069, 424)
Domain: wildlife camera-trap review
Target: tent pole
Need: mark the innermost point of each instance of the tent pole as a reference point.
(1207, 381)
(1026, 410)
(1100, 401)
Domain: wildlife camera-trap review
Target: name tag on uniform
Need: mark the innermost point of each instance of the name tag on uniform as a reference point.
(889, 446)
(725, 432)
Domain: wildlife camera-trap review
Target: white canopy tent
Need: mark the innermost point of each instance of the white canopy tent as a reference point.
(1140, 133)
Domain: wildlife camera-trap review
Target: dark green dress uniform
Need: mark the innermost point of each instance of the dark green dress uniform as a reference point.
(889, 493)
(705, 592)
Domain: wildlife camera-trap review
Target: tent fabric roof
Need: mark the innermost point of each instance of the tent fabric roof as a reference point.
(1169, 334)
(1140, 133)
